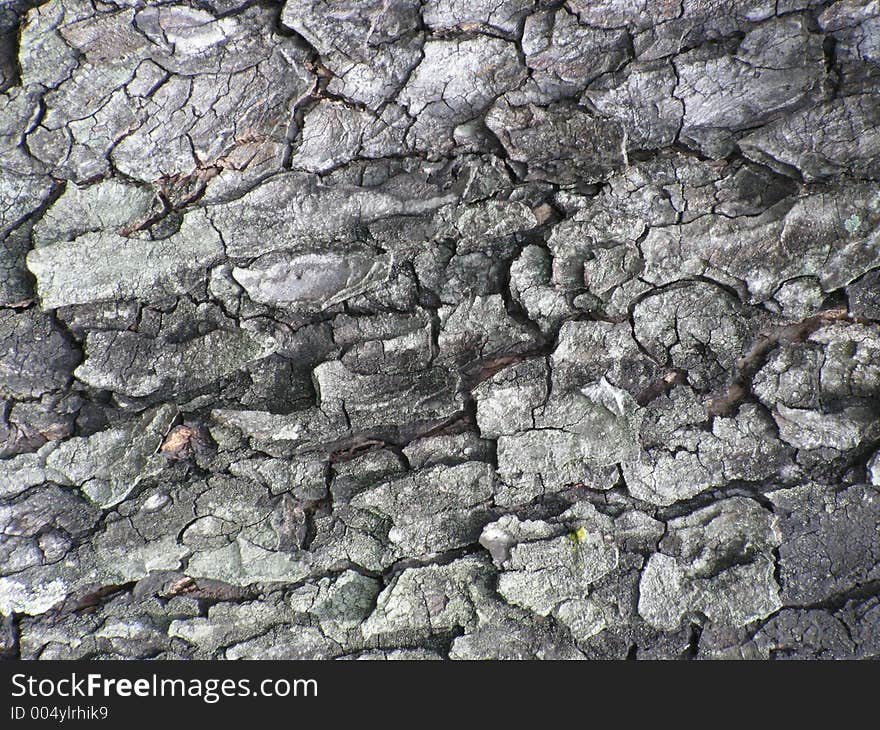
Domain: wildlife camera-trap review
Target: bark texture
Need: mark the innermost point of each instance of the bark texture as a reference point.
(440, 328)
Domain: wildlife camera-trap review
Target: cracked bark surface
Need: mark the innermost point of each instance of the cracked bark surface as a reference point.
(433, 328)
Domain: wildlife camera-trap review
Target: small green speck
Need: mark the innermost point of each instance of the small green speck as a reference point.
(578, 535)
(852, 224)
